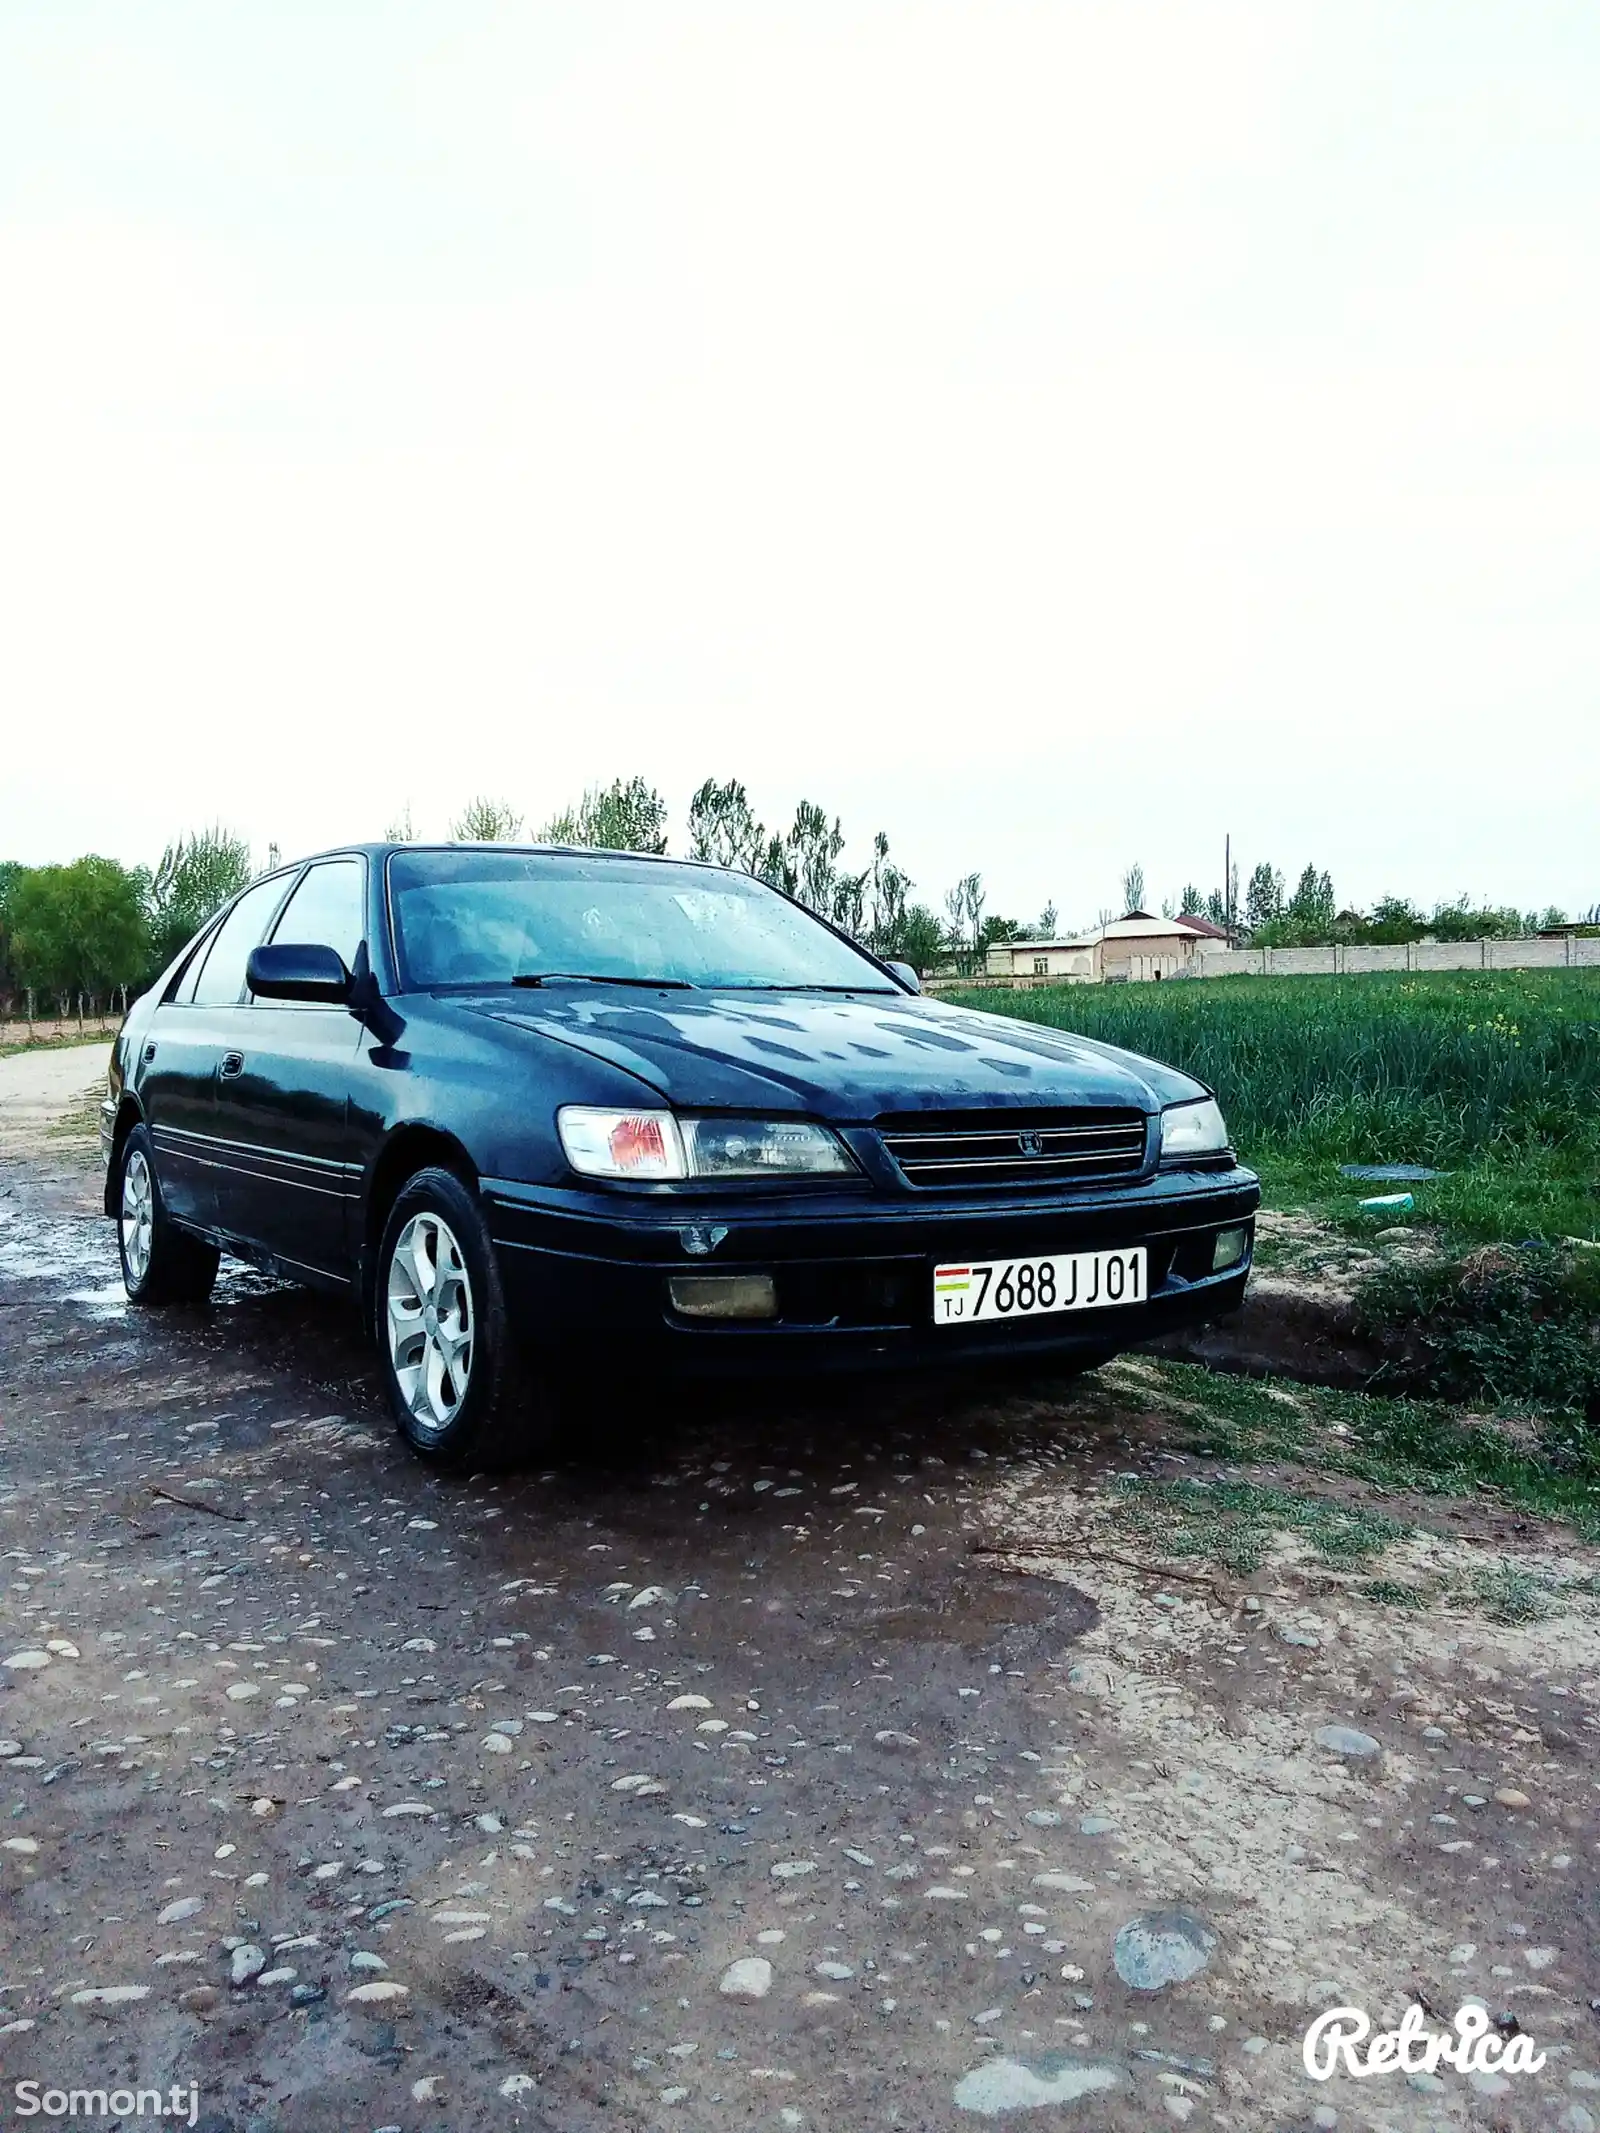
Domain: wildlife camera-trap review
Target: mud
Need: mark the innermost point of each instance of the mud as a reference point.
(1299, 1317)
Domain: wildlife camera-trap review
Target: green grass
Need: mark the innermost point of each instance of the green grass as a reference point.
(1510, 1593)
(80, 1123)
(1393, 1447)
(1500, 1325)
(1393, 1592)
(1493, 1077)
(1396, 1445)
(1234, 1523)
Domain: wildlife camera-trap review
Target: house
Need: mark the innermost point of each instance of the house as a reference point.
(1210, 932)
(1141, 947)
(1136, 947)
(1059, 962)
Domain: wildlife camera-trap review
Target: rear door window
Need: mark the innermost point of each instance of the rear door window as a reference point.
(183, 991)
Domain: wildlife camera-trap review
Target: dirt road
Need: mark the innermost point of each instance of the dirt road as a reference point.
(41, 1087)
(780, 1761)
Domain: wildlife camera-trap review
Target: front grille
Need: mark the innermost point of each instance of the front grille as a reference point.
(1026, 1148)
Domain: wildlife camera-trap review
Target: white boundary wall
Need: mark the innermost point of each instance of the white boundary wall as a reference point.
(1568, 952)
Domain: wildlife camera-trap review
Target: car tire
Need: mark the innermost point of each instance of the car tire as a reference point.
(462, 1391)
(161, 1264)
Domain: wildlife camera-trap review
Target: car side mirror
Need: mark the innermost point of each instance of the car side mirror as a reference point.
(298, 970)
(907, 976)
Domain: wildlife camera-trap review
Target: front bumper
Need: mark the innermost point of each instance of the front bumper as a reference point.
(854, 1277)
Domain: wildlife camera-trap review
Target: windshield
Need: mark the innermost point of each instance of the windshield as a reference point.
(490, 918)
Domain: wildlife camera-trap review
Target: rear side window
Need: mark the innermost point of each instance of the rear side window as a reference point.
(184, 990)
(222, 975)
(328, 910)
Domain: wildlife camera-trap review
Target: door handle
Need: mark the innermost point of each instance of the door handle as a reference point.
(232, 1065)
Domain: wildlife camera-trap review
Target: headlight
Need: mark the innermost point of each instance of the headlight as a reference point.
(1192, 1129)
(762, 1147)
(645, 1147)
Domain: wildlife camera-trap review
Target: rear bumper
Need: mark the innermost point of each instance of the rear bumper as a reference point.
(854, 1281)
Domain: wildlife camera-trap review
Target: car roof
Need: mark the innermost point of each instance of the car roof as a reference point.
(381, 849)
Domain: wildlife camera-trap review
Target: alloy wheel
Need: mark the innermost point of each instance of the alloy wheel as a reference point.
(138, 1215)
(430, 1323)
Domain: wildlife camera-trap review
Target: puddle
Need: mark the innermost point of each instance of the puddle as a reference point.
(239, 1284)
(1020, 1615)
(102, 1304)
(45, 1248)
(80, 1255)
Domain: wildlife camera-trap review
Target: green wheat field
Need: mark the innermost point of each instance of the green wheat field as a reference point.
(1492, 1077)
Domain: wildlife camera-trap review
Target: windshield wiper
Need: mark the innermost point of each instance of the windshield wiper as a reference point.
(777, 986)
(598, 977)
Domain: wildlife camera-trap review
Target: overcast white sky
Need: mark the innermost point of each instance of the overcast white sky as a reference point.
(1056, 434)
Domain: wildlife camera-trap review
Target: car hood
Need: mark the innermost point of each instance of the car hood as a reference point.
(841, 1057)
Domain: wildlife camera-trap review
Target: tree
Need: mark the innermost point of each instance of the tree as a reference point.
(399, 830)
(888, 888)
(1459, 922)
(11, 872)
(804, 864)
(1048, 919)
(1393, 919)
(196, 876)
(486, 821)
(630, 816)
(723, 829)
(965, 904)
(80, 929)
(996, 930)
(1263, 899)
(626, 816)
(1192, 903)
(1312, 909)
(1222, 905)
(1133, 888)
(805, 861)
(922, 939)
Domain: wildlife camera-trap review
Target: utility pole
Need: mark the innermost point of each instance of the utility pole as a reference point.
(1227, 883)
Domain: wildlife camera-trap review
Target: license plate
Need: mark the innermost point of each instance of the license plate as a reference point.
(1026, 1288)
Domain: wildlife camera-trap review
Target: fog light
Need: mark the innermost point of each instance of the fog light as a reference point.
(723, 1295)
(1229, 1249)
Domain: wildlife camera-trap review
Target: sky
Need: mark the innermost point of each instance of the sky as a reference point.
(1057, 435)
